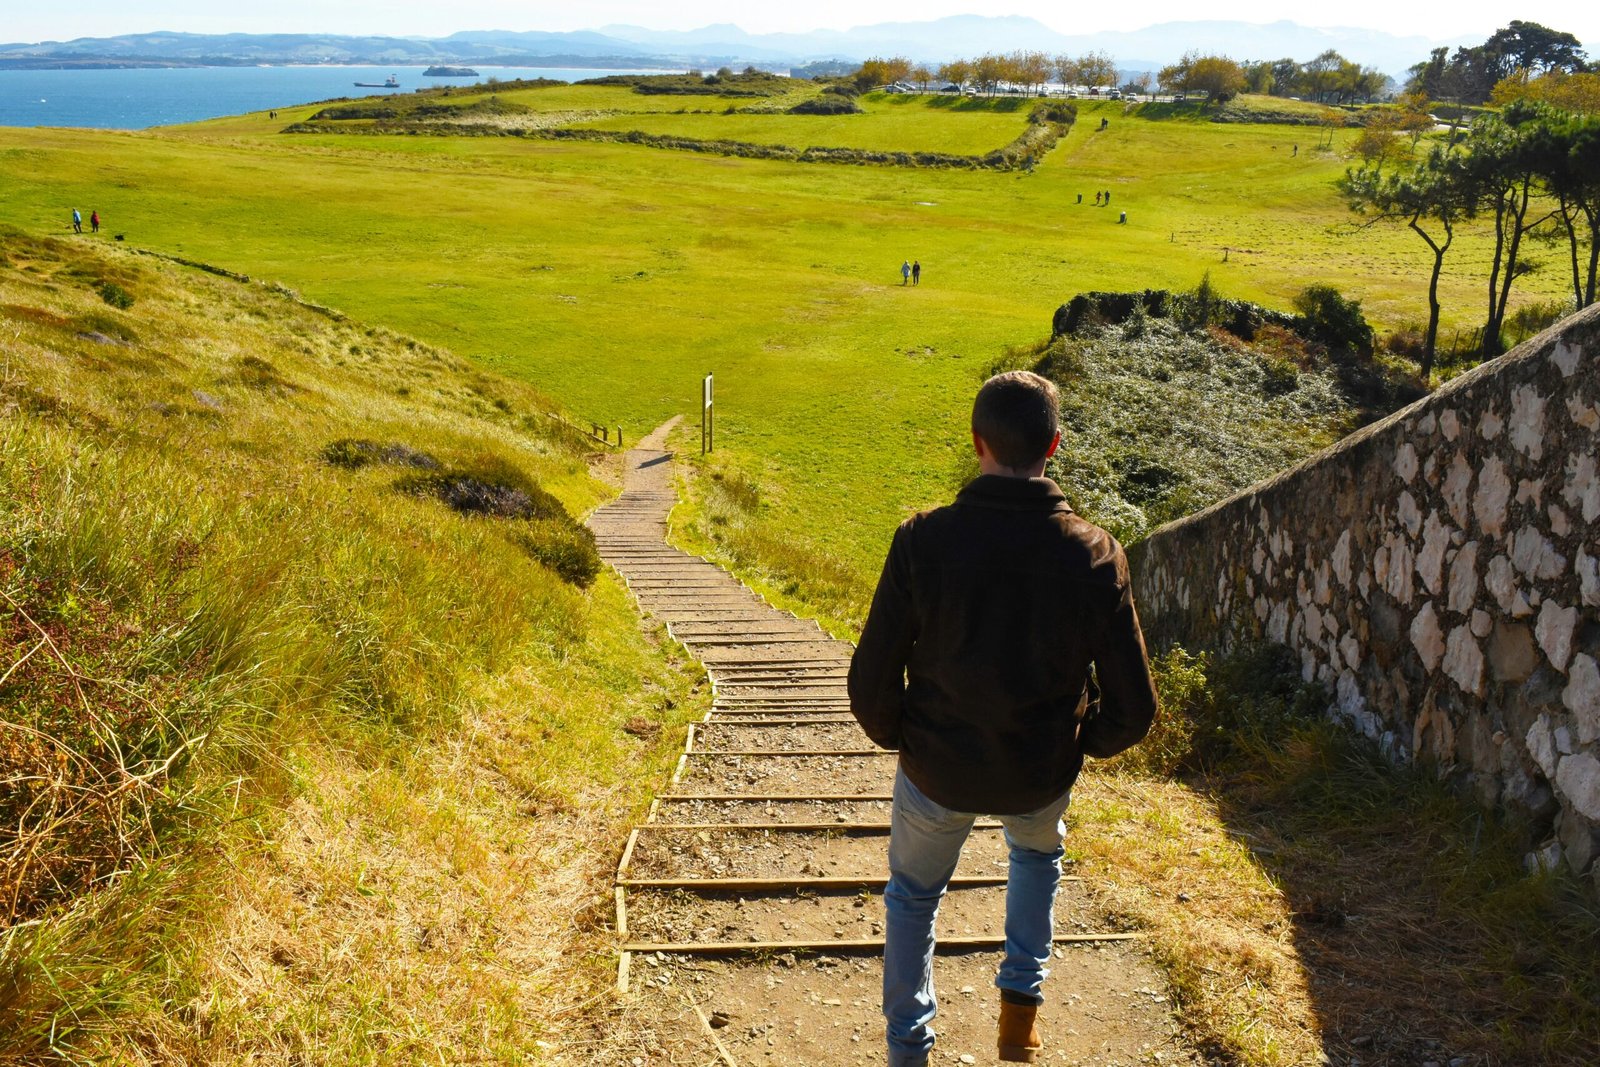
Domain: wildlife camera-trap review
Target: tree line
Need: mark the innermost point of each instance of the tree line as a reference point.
(1329, 78)
(1532, 171)
(988, 73)
(1521, 48)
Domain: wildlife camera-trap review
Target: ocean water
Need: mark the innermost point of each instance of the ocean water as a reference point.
(135, 99)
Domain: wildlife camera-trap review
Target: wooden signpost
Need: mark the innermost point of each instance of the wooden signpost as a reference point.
(708, 418)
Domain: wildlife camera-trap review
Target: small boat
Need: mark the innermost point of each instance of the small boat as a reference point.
(393, 82)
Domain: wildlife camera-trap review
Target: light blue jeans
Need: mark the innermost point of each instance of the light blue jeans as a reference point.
(925, 841)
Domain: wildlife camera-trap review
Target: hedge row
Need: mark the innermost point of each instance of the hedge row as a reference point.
(1046, 126)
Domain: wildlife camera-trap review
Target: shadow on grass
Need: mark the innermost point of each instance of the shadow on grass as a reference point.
(1421, 936)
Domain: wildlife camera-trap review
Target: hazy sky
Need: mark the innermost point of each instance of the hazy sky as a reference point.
(23, 20)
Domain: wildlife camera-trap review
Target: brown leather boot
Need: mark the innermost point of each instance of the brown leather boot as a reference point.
(1019, 1037)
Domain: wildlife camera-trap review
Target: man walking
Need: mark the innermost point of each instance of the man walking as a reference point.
(905, 272)
(77, 221)
(916, 272)
(975, 663)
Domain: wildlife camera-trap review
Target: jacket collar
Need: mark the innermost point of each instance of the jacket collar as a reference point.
(1013, 494)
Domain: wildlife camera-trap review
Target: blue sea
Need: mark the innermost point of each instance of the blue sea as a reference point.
(135, 99)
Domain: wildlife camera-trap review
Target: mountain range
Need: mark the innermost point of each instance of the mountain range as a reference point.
(725, 44)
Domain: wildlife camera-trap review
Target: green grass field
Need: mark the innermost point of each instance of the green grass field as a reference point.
(615, 276)
(888, 124)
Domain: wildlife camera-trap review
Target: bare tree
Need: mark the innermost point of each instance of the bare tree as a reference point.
(1032, 70)
(1429, 199)
(1067, 71)
(957, 72)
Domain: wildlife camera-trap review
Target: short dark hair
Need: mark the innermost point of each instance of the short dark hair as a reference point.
(1016, 414)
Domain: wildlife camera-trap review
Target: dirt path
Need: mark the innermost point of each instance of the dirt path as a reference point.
(749, 904)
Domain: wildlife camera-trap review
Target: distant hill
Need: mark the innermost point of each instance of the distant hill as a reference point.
(932, 41)
(279, 48)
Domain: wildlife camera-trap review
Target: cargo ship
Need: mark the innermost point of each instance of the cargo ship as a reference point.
(393, 82)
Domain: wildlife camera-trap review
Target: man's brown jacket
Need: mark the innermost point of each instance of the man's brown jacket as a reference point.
(975, 659)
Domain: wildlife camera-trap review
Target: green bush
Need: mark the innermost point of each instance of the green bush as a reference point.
(353, 453)
(1219, 709)
(115, 295)
(563, 546)
(1333, 319)
(826, 105)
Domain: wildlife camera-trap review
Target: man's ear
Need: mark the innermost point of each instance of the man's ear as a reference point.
(1055, 443)
(978, 446)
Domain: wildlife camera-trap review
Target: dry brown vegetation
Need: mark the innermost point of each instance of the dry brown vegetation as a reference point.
(1310, 899)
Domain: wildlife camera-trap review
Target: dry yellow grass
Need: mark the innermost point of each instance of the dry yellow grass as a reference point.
(1159, 854)
(402, 750)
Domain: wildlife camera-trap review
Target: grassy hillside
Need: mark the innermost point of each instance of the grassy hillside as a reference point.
(887, 124)
(314, 732)
(617, 275)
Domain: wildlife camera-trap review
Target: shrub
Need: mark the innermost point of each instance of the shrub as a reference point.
(115, 295)
(1060, 111)
(353, 453)
(826, 105)
(1408, 342)
(473, 495)
(1217, 709)
(1334, 319)
(563, 546)
(1533, 319)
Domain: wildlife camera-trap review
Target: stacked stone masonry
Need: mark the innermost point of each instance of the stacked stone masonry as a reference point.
(1438, 573)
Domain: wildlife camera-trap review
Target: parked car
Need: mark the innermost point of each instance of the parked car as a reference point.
(1115, 94)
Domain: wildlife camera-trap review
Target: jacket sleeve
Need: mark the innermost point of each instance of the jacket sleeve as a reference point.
(1127, 706)
(878, 669)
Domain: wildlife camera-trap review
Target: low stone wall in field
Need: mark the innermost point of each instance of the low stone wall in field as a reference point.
(1439, 573)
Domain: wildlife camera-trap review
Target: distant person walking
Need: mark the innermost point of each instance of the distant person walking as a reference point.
(905, 273)
(1296, 151)
(916, 272)
(1123, 219)
(77, 221)
(1080, 198)
(1097, 198)
(94, 222)
(1108, 198)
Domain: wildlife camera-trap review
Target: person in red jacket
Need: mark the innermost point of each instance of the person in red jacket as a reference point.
(975, 663)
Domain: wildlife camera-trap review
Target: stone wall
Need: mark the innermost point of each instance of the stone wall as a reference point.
(1439, 573)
